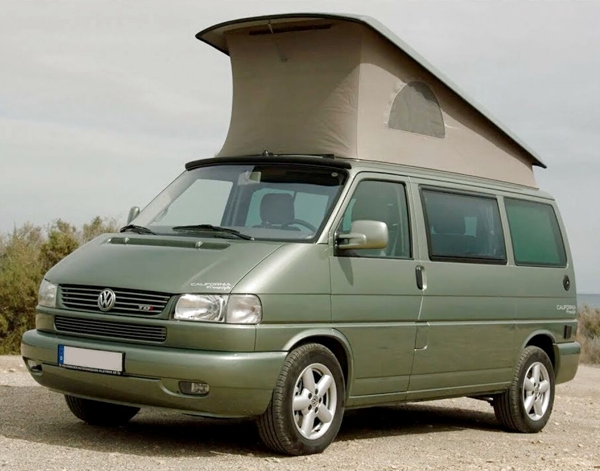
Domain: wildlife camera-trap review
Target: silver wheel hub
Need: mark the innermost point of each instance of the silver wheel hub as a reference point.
(536, 392)
(315, 401)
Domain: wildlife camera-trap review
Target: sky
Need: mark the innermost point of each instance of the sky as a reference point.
(102, 102)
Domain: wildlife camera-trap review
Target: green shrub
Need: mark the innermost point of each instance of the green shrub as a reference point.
(588, 334)
(25, 255)
(21, 269)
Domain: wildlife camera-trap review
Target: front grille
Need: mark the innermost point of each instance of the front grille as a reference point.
(85, 298)
(148, 333)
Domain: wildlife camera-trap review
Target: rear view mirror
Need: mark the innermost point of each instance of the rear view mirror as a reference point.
(133, 213)
(364, 235)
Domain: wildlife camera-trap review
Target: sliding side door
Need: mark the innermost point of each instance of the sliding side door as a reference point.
(465, 341)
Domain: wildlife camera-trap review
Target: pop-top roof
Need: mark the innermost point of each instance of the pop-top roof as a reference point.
(346, 85)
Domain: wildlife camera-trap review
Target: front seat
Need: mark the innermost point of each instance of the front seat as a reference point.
(276, 209)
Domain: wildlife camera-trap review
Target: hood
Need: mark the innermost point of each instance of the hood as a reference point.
(168, 264)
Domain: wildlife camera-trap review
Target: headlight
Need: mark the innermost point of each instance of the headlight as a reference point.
(194, 307)
(234, 309)
(47, 294)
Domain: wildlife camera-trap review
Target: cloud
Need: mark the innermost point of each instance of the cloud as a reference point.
(57, 170)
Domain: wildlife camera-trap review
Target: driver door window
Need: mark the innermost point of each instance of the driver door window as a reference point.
(380, 201)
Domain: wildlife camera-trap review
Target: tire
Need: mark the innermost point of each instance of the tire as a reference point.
(527, 404)
(301, 420)
(100, 413)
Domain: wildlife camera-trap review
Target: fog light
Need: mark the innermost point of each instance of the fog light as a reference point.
(195, 388)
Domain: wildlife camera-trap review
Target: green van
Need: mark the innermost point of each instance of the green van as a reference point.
(291, 286)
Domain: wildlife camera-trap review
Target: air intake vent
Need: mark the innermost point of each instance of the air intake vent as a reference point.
(115, 330)
(180, 243)
(287, 29)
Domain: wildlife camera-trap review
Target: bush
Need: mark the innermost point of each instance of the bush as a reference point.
(25, 256)
(21, 269)
(588, 334)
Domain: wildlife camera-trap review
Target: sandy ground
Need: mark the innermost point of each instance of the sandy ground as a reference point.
(37, 431)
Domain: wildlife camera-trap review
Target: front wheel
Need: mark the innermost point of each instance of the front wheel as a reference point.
(307, 405)
(526, 406)
(100, 413)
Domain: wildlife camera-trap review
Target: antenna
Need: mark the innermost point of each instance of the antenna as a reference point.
(282, 56)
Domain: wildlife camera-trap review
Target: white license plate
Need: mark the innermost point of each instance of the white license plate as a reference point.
(98, 361)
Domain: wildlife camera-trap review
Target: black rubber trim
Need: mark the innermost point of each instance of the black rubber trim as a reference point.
(321, 161)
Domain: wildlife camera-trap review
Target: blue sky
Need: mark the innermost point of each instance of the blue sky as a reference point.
(102, 102)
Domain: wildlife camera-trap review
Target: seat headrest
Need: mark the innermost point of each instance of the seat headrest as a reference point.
(277, 208)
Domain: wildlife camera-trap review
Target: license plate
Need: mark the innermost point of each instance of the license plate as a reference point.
(86, 359)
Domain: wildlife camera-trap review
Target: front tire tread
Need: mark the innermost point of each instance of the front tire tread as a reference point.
(274, 426)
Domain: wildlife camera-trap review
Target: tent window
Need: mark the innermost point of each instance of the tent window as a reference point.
(416, 109)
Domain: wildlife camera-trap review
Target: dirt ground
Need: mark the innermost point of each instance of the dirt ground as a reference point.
(37, 431)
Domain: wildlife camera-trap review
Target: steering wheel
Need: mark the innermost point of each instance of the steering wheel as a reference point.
(299, 222)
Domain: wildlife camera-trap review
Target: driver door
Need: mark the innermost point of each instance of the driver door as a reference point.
(375, 298)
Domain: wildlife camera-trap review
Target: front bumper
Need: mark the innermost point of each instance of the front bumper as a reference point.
(241, 384)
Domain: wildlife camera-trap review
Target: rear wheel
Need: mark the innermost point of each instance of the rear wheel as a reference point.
(307, 406)
(526, 406)
(100, 413)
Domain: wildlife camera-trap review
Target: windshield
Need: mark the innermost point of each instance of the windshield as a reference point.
(261, 201)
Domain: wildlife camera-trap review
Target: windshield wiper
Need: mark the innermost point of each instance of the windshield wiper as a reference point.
(211, 228)
(137, 229)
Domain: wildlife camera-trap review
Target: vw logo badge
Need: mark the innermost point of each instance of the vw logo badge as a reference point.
(106, 300)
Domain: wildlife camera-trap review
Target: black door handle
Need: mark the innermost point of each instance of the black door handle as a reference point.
(419, 274)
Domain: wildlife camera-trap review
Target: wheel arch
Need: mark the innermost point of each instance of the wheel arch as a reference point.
(334, 341)
(545, 341)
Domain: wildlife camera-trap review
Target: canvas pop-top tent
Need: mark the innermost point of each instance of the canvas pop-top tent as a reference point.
(347, 86)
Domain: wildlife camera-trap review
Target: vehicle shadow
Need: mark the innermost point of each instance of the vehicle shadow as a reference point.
(412, 419)
(35, 414)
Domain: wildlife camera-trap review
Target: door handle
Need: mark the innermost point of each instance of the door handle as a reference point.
(419, 274)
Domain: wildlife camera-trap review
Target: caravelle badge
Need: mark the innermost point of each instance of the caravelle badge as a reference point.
(106, 300)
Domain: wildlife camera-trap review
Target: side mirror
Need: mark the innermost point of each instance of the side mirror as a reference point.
(133, 213)
(364, 235)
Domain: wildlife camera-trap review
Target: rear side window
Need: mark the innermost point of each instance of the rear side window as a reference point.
(463, 228)
(535, 234)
